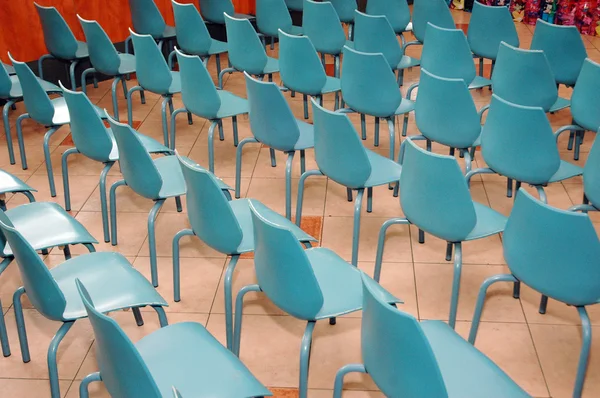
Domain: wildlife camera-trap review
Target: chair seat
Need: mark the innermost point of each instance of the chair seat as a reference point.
(561, 103)
(9, 69)
(479, 82)
(82, 50)
(175, 87)
(332, 85)
(307, 136)
(340, 284)
(187, 356)
(16, 91)
(168, 33)
(217, 47)
(111, 280)
(45, 225)
(383, 170)
(11, 183)
(566, 170)
(489, 222)
(409, 27)
(243, 214)
(405, 106)
(61, 112)
(150, 144)
(408, 62)
(272, 66)
(465, 370)
(231, 105)
(127, 63)
(296, 30)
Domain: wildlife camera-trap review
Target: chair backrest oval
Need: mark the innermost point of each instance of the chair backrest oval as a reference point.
(322, 25)
(563, 47)
(246, 51)
(124, 372)
(58, 37)
(374, 34)
(299, 65)
(488, 27)
(138, 169)
(517, 142)
(345, 9)
(554, 251)
(272, 15)
(36, 100)
(198, 91)
(390, 342)
(271, 119)
(5, 83)
(434, 194)
(586, 97)
(445, 111)
(524, 77)
(192, 35)
(396, 12)
(152, 71)
(338, 151)
(434, 11)
(295, 5)
(103, 54)
(146, 18)
(213, 10)
(88, 131)
(208, 210)
(368, 84)
(591, 175)
(447, 54)
(283, 271)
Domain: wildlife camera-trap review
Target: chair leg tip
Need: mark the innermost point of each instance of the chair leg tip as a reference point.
(332, 321)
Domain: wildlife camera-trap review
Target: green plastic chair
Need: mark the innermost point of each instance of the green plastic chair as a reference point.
(225, 226)
(447, 365)
(147, 20)
(310, 285)
(272, 16)
(555, 252)
(425, 11)
(435, 197)
(212, 11)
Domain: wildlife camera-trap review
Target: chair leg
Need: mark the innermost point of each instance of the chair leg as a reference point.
(455, 283)
(3, 335)
(152, 239)
(162, 316)
(481, 66)
(72, 74)
(542, 193)
(235, 130)
(302, 161)
(113, 210)
(585, 351)
(370, 200)
(300, 198)
(218, 62)
(571, 139)
(543, 304)
(20, 139)
(170, 59)
(381, 243)
(20, 320)
(305, 103)
(65, 173)
(48, 159)
(356, 227)
(226, 70)
(165, 128)
(41, 64)
(288, 185)
(176, 269)
(421, 236)
(376, 135)
(87, 380)
(392, 129)
(211, 146)
(238, 163)
(137, 315)
(273, 159)
(52, 351)
(363, 126)
(173, 126)
(5, 110)
(129, 103)
(228, 299)
(103, 201)
(405, 125)
(221, 134)
(339, 377)
(509, 187)
(517, 289)
(349, 194)
(239, 309)
(449, 247)
(84, 79)
(305, 358)
(113, 90)
(578, 141)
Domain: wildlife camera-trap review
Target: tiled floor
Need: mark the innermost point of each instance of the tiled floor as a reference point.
(539, 352)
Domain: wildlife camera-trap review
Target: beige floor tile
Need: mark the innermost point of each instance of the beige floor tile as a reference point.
(271, 192)
(225, 162)
(35, 158)
(29, 388)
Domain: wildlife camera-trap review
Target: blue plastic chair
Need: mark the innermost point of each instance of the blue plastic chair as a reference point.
(345, 11)
(12, 92)
(369, 87)
(564, 49)
(225, 226)
(591, 181)
(52, 113)
(273, 15)
(95, 141)
(273, 124)
(193, 37)
(201, 98)
(435, 197)
(556, 253)
(112, 280)
(424, 11)
(212, 11)
(60, 42)
(396, 12)
(147, 20)
(12, 184)
(374, 34)
(107, 60)
(342, 158)
(302, 71)
(488, 27)
(447, 365)
(310, 285)
(246, 51)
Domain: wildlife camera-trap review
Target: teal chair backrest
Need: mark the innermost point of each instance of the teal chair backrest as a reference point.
(564, 48)
(517, 141)
(176, 393)
(396, 12)
(152, 71)
(272, 15)
(87, 128)
(58, 37)
(137, 167)
(146, 18)
(345, 9)
(338, 151)
(374, 34)
(209, 211)
(445, 111)
(434, 11)
(434, 194)
(299, 65)
(488, 27)
(368, 84)
(41, 288)
(192, 35)
(554, 251)
(123, 370)
(271, 119)
(36, 100)
(5, 83)
(283, 271)
(395, 351)
(446, 53)
(246, 51)
(322, 25)
(591, 175)
(212, 10)
(524, 77)
(103, 54)
(198, 91)
(295, 5)
(586, 96)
